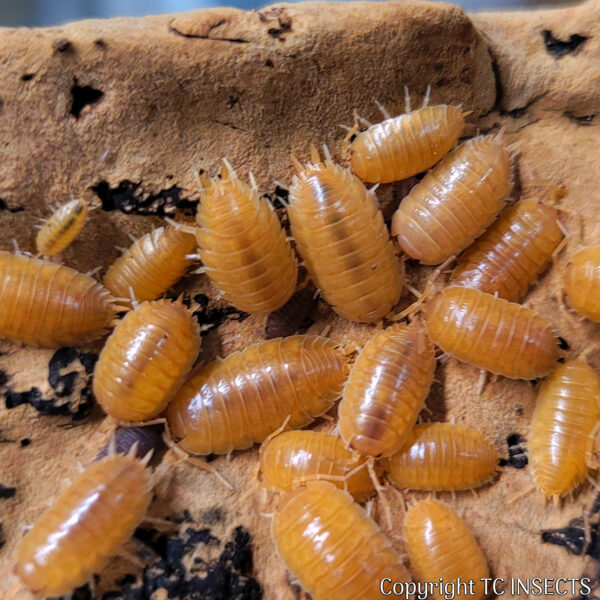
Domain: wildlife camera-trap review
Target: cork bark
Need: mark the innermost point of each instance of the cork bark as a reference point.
(126, 112)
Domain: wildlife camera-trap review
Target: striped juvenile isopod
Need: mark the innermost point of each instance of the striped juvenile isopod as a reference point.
(145, 360)
(242, 245)
(89, 522)
(386, 390)
(582, 282)
(295, 457)
(62, 227)
(442, 548)
(45, 304)
(151, 265)
(443, 457)
(509, 256)
(402, 146)
(328, 542)
(561, 437)
(237, 401)
(455, 202)
(343, 240)
(491, 333)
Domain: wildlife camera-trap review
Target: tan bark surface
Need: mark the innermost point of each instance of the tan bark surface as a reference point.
(174, 94)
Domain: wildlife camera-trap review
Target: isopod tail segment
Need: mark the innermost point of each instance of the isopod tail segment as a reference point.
(172, 445)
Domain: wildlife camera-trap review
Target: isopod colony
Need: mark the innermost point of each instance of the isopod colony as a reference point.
(266, 392)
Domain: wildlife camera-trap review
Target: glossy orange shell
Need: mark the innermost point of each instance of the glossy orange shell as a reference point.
(402, 146)
(243, 247)
(386, 390)
(560, 440)
(344, 242)
(151, 265)
(455, 202)
(61, 228)
(582, 282)
(295, 457)
(237, 401)
(511, 254)
(87, 525)
(145, 360)
(440, 546)
(327, 541)
(443, 457)
(491, 333)
(45, 304)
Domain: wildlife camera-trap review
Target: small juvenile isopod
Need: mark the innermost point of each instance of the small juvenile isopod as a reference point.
(151, 265)
(343, 240)
(386, 390)
(443, 457)
(561, 438)
(243, 246)
(145, 360)
(442, 548)
(402, 146)
(237, 401)
(45, 304)
(582, 282)
(509, 256)
(327, 541)
(295, 457)
(89, 522)
(492, 333)
(455, 202)
(62, 227)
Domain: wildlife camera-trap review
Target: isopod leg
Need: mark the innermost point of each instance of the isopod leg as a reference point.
(481, 382)
(198, 462)
(380, 492)
(429, 290)
(592, 446)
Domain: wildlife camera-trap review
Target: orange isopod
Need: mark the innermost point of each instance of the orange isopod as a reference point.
(145, 360)
(443, 457)
(492, 333)
(45, 304)
(509, 256)
(582, 282)
(151, 265)
(237, 401)
(295, 457)
(88, 523)
(402, 146)
(561, 439)
(386, 390)
(327, 541)
(455, 202)
(442, 548)
(62, 227)
(345, 244)
(243, 246)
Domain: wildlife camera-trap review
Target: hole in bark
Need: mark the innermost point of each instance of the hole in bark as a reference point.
(559, 48)
(516, 453)
(82, 97)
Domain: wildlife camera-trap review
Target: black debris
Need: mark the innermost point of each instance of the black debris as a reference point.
(559, 48)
